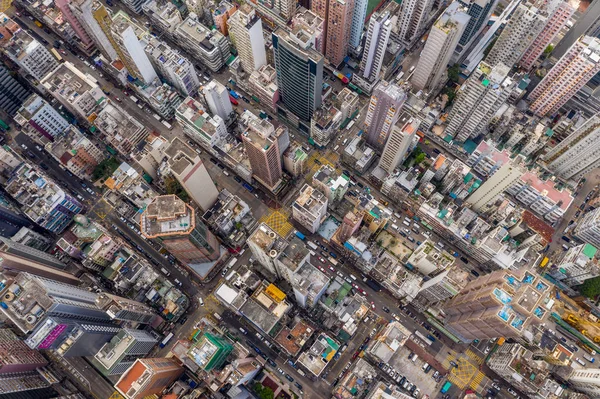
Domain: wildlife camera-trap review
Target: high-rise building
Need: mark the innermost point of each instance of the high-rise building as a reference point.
(478, 100)
(588, 228)
(325, 124)
(310, 208)
(116, 356)
(586, 380)
(445, 285)
(525, 24)
(25, 51)
(412, 19)
(96, 21)
(173, 67)
(123, 309)
(577, 154)
(41, 199)
(384, 109)
(210, 47)
(500, 304)
(41, 116)
(148, 377)
(358, 22)
(587, 24)
(187, 167)
(299, 72)
(181, 232)
(441, 43)
(135, 5)
(84, 38)
(130, 39)
(378, 35)
(339, 25)
(245, 27)
(313, 25)
(217, 98)
(16, 356)
(560, 12)
(221, 15)
(27, 253)
(495, 185)
(210, 352)
(199, 125)
(580, 63)
(399, 141)
(12, 93)
(262, 146)
(479, 11)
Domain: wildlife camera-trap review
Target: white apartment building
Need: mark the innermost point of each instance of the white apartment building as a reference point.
(358, 22)
(376, 43)
(310, 208)
(441, 43)
(525, 24)
(577, 154)
(589, 227)
(208, 46)
(574, 69)
(217, 98)
(478, 100)
(498, 183)
(325, 124)
(90, 13)
(398, 143)
(173, 67)
(199, 125)
(246, 29)
(131, 39)
(577, 265)
(412, 19)
(36, 112)
(586, 380)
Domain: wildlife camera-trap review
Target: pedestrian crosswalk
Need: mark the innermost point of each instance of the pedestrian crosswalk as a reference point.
(473, 356)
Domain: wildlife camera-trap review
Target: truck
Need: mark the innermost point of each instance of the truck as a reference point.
(233, 94)
(263, 115)
(446, 387)
(165, 341)
(4, 126)
(374, 285)
(312, 245)
(341, 76)
(300, 235)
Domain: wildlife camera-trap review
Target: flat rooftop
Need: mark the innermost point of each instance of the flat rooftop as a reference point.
(310, 199)
(181, 156)
(319, 355)
(294, 253)
(292, 340)
(265, 307)
(167, 215)
(309, 279)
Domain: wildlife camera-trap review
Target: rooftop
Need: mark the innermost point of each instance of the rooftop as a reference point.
(309, 279)
(265, 307)
(547, 188)
(195, 31)
(167, 215)
(292, 340)
(294, 254)
(310, 199)
(322, 351)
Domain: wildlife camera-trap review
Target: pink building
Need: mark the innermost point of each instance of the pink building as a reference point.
(560, 11)
(339, 24)
(221, 16)
(81, 33)
(574, 69)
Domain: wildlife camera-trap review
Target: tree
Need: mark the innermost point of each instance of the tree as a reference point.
(548, 50)
(453, 73)
(419, 158)
(105, 168)
(590, 287)
(263, 392)
(172, 186)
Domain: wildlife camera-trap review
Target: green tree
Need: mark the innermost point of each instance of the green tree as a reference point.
(548, 50)
(263, 392)
(453, 73)
(590, 287)
(419, 158)
(105, 168)
(172, 186)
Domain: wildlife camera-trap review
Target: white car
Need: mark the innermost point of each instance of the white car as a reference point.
(23, 146)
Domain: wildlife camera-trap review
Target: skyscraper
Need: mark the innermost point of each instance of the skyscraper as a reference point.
(588, 228)
(412, 19)
(299, 71)
(116, 356)
(339, 25)
(500, 304)
(262, 146)
(441, 43)
(479, 11)
(94, 18)
(15, 356)
(525, 24)
(83, 36)
(566, 77)
(217, 98)
(378, 35)
(495, 185)
(398, 143)
(577, 154)
(587, 24)
(173, 67)
(12, 93)
(130, 40)
(148, 377)
(181, 232)
(478, 99)
(384, 109)
(246, 29)
(559, 12)
(358, 21)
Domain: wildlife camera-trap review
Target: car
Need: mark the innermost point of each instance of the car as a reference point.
(237, 179)
(331, 268)
(356, 287)
(321, 268)
(453, 363)
(321, 259)
(495, 386)
(333, 255)
(23, 146)
(30, 154)
(487, 350)
(183, 320)
(435, 375)
(271, 363)
(298, 385)
(465, 260)
(577, 213)
(117, 99)
(385, 309)
(373, 305)
(512, 391)
(288, 377)
(280, 370)
(43, 166)
(475, 273)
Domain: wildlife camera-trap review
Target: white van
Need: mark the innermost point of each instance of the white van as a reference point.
(414, 358)
(200, 301)
(395, 227)
(407, 224)
(353, 277)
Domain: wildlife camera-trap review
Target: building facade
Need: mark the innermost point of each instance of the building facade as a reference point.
(384, 109)
(245, 27)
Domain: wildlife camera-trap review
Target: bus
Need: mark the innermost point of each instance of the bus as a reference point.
(350, 125)
(56, 54)
(165, 341)
(167, 125)
(232, 262)
(423, 338)
(544, 261)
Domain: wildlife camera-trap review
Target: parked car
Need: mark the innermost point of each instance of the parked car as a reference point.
(289, 377)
